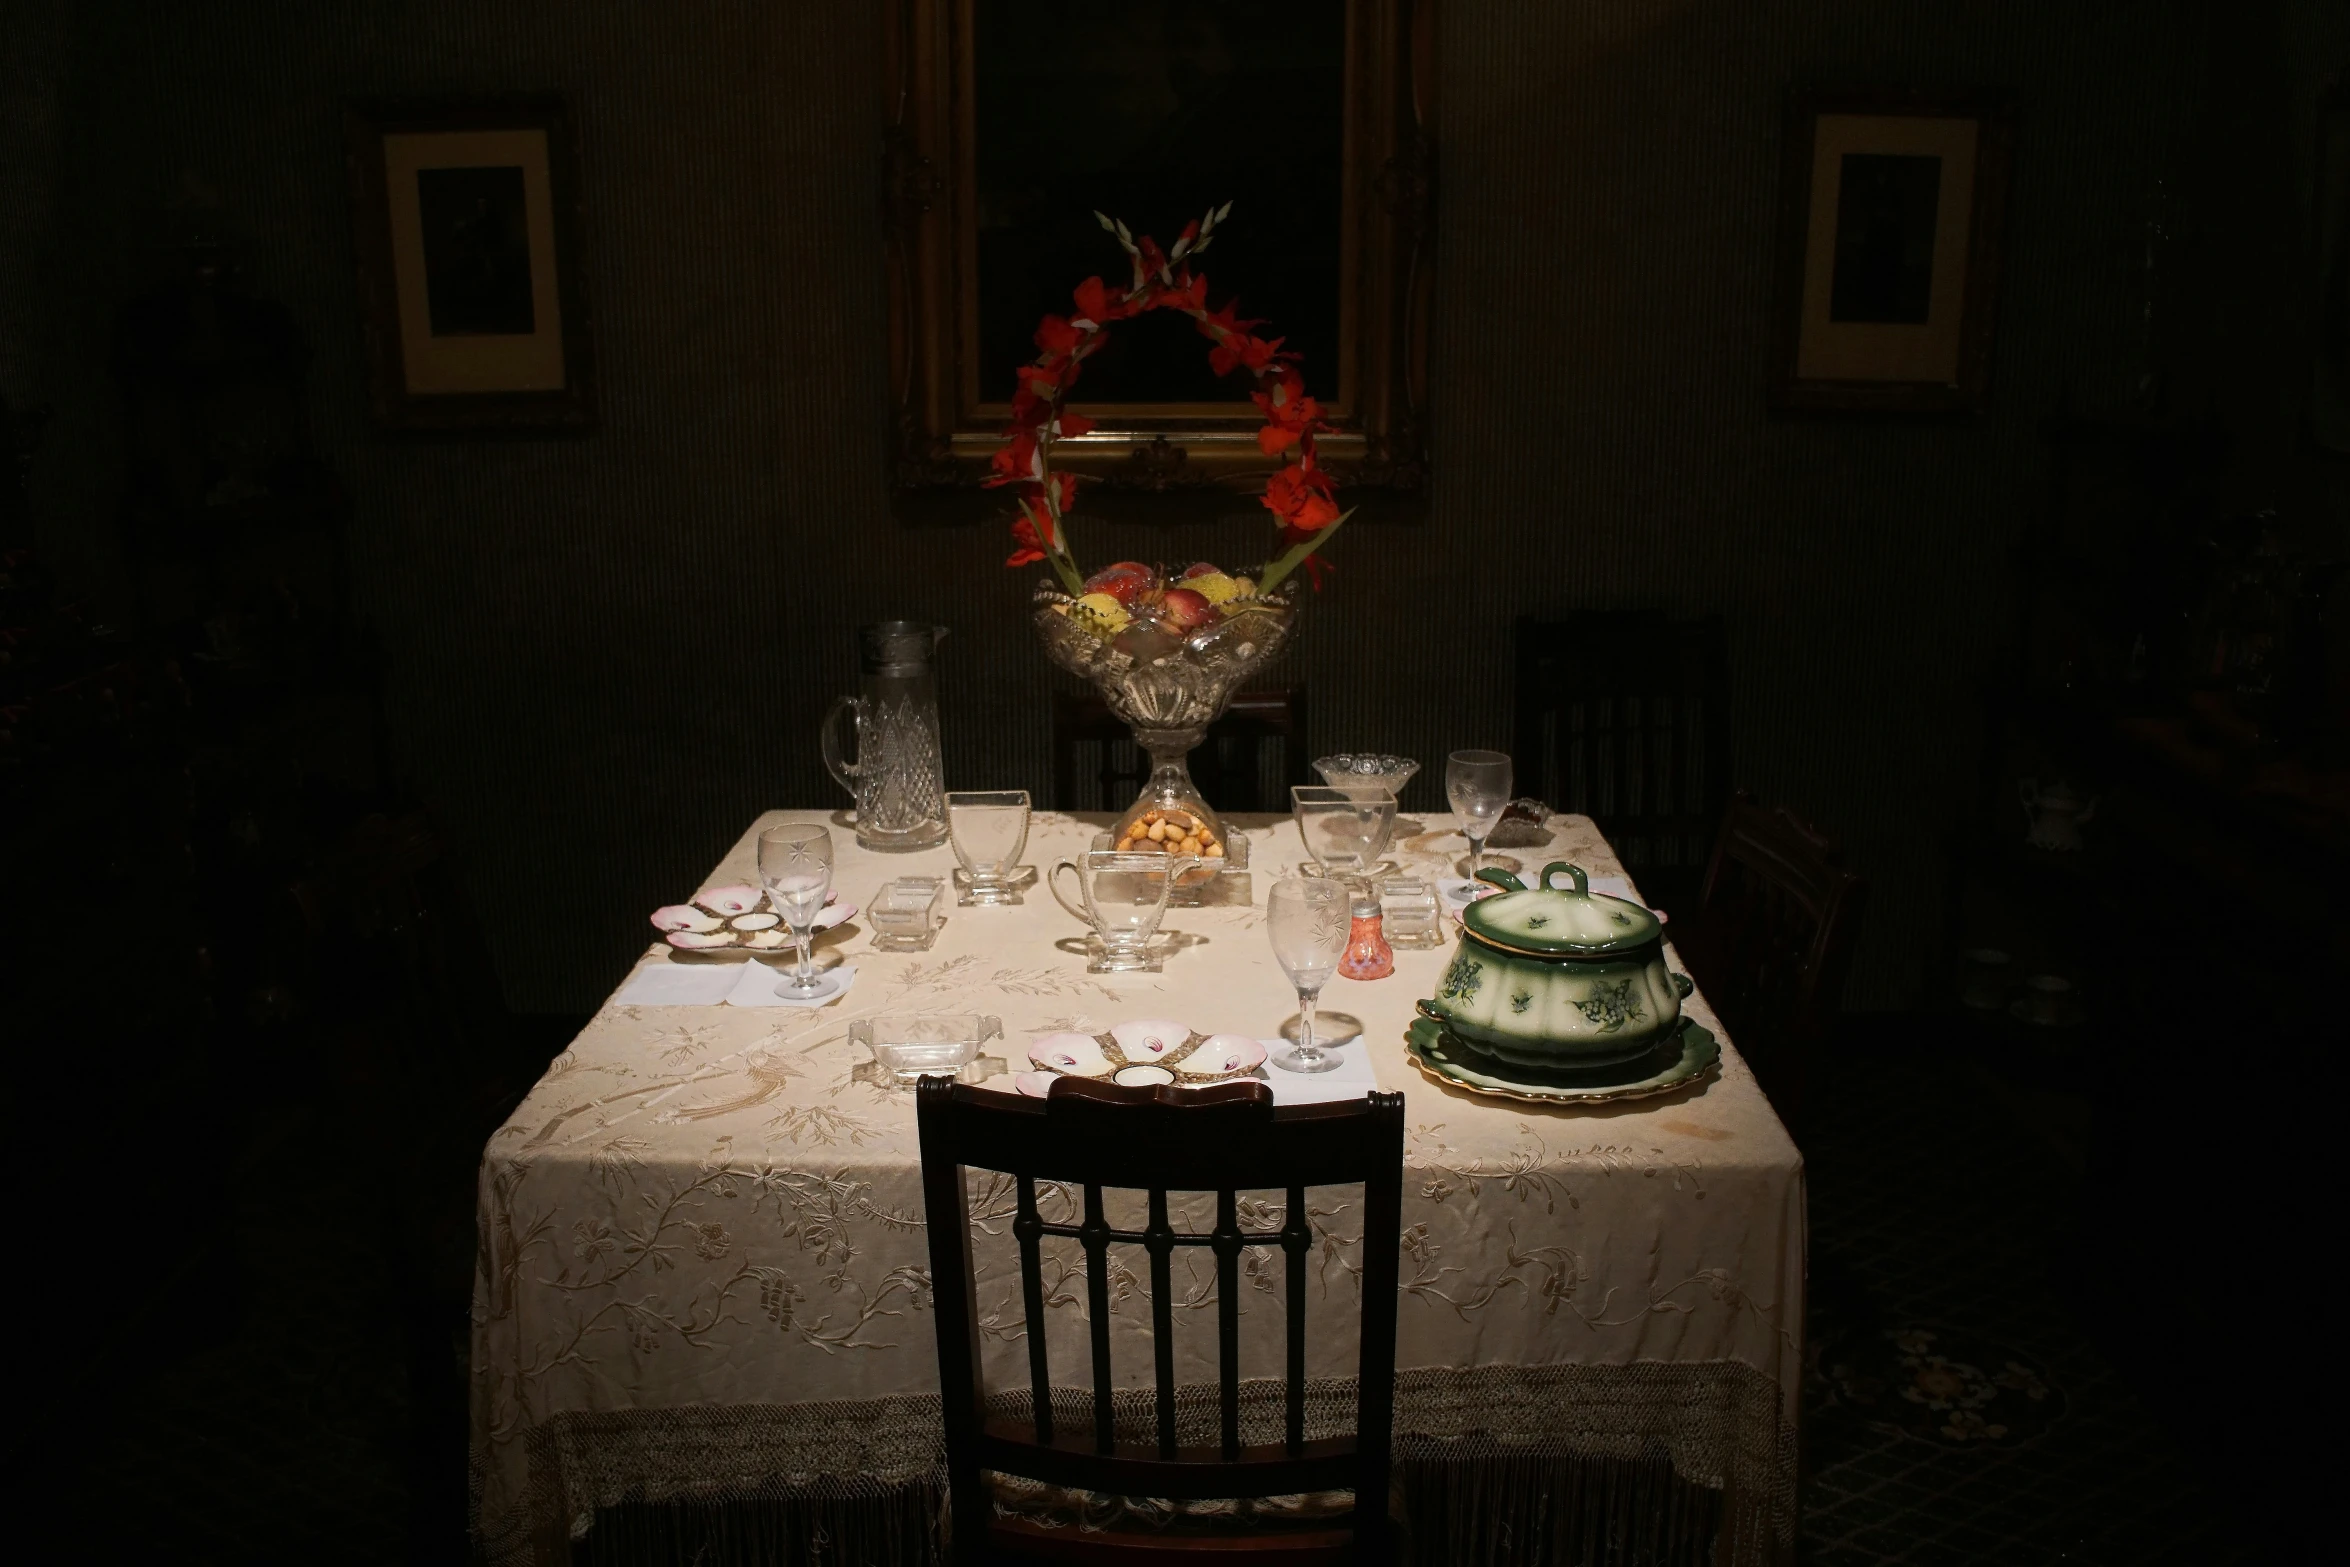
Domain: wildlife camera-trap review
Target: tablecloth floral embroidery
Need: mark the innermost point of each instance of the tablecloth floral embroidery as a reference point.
(700, 1222)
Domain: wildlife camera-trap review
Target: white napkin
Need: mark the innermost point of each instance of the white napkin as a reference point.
(1350, 1079)
(679, 984)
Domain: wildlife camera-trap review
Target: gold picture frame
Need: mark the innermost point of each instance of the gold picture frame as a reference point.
(951, 399)
(1892, 221)
(467, 220)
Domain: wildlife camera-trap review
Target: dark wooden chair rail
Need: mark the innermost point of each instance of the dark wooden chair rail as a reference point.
(1624, 716)
(1224, 1140)
(1772, 940)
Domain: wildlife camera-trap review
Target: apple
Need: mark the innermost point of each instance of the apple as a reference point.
(1126, 582)
(1205, 568)
(1185, 609)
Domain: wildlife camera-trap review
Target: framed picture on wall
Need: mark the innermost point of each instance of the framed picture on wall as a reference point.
(468, 245)
(1011, 122)
(1893, 204)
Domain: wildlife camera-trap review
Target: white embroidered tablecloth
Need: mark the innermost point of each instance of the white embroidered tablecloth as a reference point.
(703, 1272)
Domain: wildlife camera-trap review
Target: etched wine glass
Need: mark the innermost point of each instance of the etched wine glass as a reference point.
(1308, 919)
(795, 866)
(1478, 785)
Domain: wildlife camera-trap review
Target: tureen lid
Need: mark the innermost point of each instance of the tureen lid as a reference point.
(1551, 921)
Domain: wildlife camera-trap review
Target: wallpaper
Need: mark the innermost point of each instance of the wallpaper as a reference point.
(604, 655)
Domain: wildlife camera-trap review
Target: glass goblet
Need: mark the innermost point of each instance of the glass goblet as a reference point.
(1478, 785)
(795, 866)
(989, 828)
(1308, 920)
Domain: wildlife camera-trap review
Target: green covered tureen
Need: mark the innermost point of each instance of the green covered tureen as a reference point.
(1556, 976)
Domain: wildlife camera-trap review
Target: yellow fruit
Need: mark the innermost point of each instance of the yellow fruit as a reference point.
(1213, 586)
(1101, 614)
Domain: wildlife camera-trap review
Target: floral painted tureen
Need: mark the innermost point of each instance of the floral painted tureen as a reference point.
(1559, 976)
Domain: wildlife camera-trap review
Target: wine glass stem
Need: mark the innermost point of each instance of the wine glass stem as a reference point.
(804, 976)
(1306, 1049)
(1476, 854)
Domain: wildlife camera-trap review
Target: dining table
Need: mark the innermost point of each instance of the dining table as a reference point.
(703, 1274)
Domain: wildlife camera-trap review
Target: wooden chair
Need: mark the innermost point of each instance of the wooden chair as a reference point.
(1771, 941)
(1624, 716)
(1226, 1139)
(1247, 763)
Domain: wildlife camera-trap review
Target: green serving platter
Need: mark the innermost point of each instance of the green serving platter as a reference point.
(1689, 1057)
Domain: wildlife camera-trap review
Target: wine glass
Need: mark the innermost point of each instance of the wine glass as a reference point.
(1478, 785)
(1308, 919)
(795, 866)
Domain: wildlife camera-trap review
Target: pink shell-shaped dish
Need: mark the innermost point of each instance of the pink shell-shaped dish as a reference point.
(1150, 1039)
(1036, 1085)
(684, 916)
(730, 900)
(697, 941)
(1074, 1055)
(1224, 1055)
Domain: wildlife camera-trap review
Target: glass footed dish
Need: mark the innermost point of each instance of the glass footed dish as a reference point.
(1168, 684)
(1142, 1054)
(1367, 769)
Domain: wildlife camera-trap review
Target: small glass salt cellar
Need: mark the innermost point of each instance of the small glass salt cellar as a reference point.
(907, 913)
(1368, 955)
(911, 1047)
(1412, 918)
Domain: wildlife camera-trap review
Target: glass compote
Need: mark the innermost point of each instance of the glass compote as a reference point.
(1308, 919)
(1168, 684)
(795, 866)
(1478, 785)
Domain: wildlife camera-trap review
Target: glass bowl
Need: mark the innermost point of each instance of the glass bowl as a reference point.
(911, 1047)
(1367, 769)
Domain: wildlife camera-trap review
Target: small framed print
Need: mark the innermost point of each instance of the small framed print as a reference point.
(468, 242)
(1892, 211)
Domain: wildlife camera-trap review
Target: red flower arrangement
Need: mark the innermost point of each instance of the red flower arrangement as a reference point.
(1300, 494)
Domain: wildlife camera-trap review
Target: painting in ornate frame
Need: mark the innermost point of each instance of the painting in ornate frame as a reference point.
(1010, 121)
(467, 222)
(1892, 215)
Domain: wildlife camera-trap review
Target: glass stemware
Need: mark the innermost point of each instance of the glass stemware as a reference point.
(989, 829)
(1344, 829)
(1307, 919)
(1478, 785)
(795, 866)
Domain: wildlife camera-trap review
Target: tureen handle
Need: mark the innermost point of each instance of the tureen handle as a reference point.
(1582, 878)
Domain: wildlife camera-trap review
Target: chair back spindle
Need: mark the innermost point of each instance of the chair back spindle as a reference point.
(1226, 1140)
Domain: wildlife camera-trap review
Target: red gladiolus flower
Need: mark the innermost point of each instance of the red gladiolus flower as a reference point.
(1014, 461)
(1073, 424)
(1301, 497)
(1057, 337)
(1097, 304)
(1025, 534)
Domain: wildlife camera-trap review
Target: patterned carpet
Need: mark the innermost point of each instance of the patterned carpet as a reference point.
(1943, 1256)
(292, 1397)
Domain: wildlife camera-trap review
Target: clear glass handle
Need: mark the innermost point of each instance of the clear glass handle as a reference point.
(1052, 880)
(844, 772)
